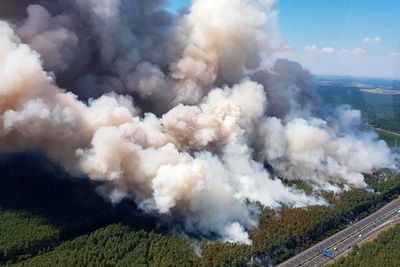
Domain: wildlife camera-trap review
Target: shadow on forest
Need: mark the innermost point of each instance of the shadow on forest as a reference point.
(32, 183)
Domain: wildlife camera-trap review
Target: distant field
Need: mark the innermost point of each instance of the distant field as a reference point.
(380, 110)
(392, 139)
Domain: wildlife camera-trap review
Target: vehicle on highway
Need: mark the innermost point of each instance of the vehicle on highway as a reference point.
(326, 252)
(360, 235)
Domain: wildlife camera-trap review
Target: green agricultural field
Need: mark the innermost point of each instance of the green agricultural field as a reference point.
(383, 111)
(391, 138)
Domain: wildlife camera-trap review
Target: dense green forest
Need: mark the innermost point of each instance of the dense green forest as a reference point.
(382, 252)
(118, 245)
(23, 234)
(48, 218)
(41, 206)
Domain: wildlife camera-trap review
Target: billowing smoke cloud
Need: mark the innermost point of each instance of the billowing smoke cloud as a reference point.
(175, 112)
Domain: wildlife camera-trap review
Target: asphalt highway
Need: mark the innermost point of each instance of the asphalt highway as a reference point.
(344, 240)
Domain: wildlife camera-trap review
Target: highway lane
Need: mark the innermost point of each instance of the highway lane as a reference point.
(346, 238)
(347, 244)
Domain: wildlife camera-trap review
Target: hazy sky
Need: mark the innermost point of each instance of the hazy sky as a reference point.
(348, 37)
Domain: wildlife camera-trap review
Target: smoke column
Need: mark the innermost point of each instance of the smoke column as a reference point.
(189, 115)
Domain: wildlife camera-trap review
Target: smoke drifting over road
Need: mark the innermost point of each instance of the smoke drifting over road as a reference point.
(190, 115)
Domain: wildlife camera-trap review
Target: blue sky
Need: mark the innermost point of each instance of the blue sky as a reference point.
(347, 37)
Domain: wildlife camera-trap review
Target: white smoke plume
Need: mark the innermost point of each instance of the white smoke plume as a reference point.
(175, 111)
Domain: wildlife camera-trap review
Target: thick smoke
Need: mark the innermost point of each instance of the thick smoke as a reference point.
(175, 112)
